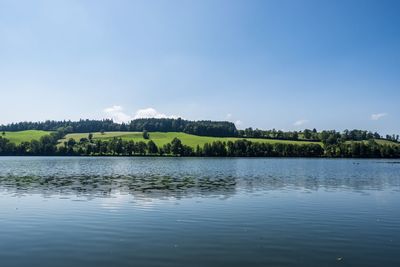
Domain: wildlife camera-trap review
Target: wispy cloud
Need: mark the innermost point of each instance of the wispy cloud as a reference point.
(118, 115)
(152, 113)
(300, 122)
(378, 116)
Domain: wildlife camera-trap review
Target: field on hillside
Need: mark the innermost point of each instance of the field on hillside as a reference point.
(24, 136)
(386, 142)
(161, 138)
(379, 141)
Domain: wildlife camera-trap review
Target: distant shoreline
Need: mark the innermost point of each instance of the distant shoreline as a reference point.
(199, 157)
(178, 137)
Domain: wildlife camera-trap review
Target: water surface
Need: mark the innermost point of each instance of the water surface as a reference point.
(198, 212)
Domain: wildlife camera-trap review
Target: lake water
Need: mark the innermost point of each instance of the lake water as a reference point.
(198, 212)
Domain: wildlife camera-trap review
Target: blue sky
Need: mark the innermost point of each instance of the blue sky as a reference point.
(266, 64)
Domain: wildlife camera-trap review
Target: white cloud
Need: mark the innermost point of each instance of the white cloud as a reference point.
(116, 113)
(228, 116)
(300, 122)
(378, 116)
(238, 123)
(152, 113)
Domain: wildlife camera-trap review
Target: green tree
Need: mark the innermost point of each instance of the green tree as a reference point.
(146, 135)
(71, 142)
(152, 147)
(198, 151)
(307, 134)
(130, 147)
(69, 129)
(89, 149)
(167, 148)
(141, 147)
(176, 146)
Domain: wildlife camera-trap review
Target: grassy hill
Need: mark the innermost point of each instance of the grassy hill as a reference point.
(161, 138)
(24, 136)
(385, 142)
(379, 141)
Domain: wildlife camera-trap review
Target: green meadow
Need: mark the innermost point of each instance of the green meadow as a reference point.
(379, 141)
(24, 136)
(161, 138)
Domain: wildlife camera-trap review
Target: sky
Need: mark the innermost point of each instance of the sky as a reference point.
(278, 64)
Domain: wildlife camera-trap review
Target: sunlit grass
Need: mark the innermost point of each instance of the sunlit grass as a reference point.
(161, 138)
(24, 136)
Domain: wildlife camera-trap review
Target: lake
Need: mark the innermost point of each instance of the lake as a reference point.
(76, 211)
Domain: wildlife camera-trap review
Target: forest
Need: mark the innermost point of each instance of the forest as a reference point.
(203, 128)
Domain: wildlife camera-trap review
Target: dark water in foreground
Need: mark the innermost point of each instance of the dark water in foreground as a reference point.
(199, 212)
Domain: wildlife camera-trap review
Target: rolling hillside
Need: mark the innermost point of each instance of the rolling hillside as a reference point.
(24, 136)
(161, 138)
(379, 141)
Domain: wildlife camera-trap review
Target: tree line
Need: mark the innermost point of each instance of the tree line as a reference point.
(203, 128)
(49, 146)
(329, 137)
